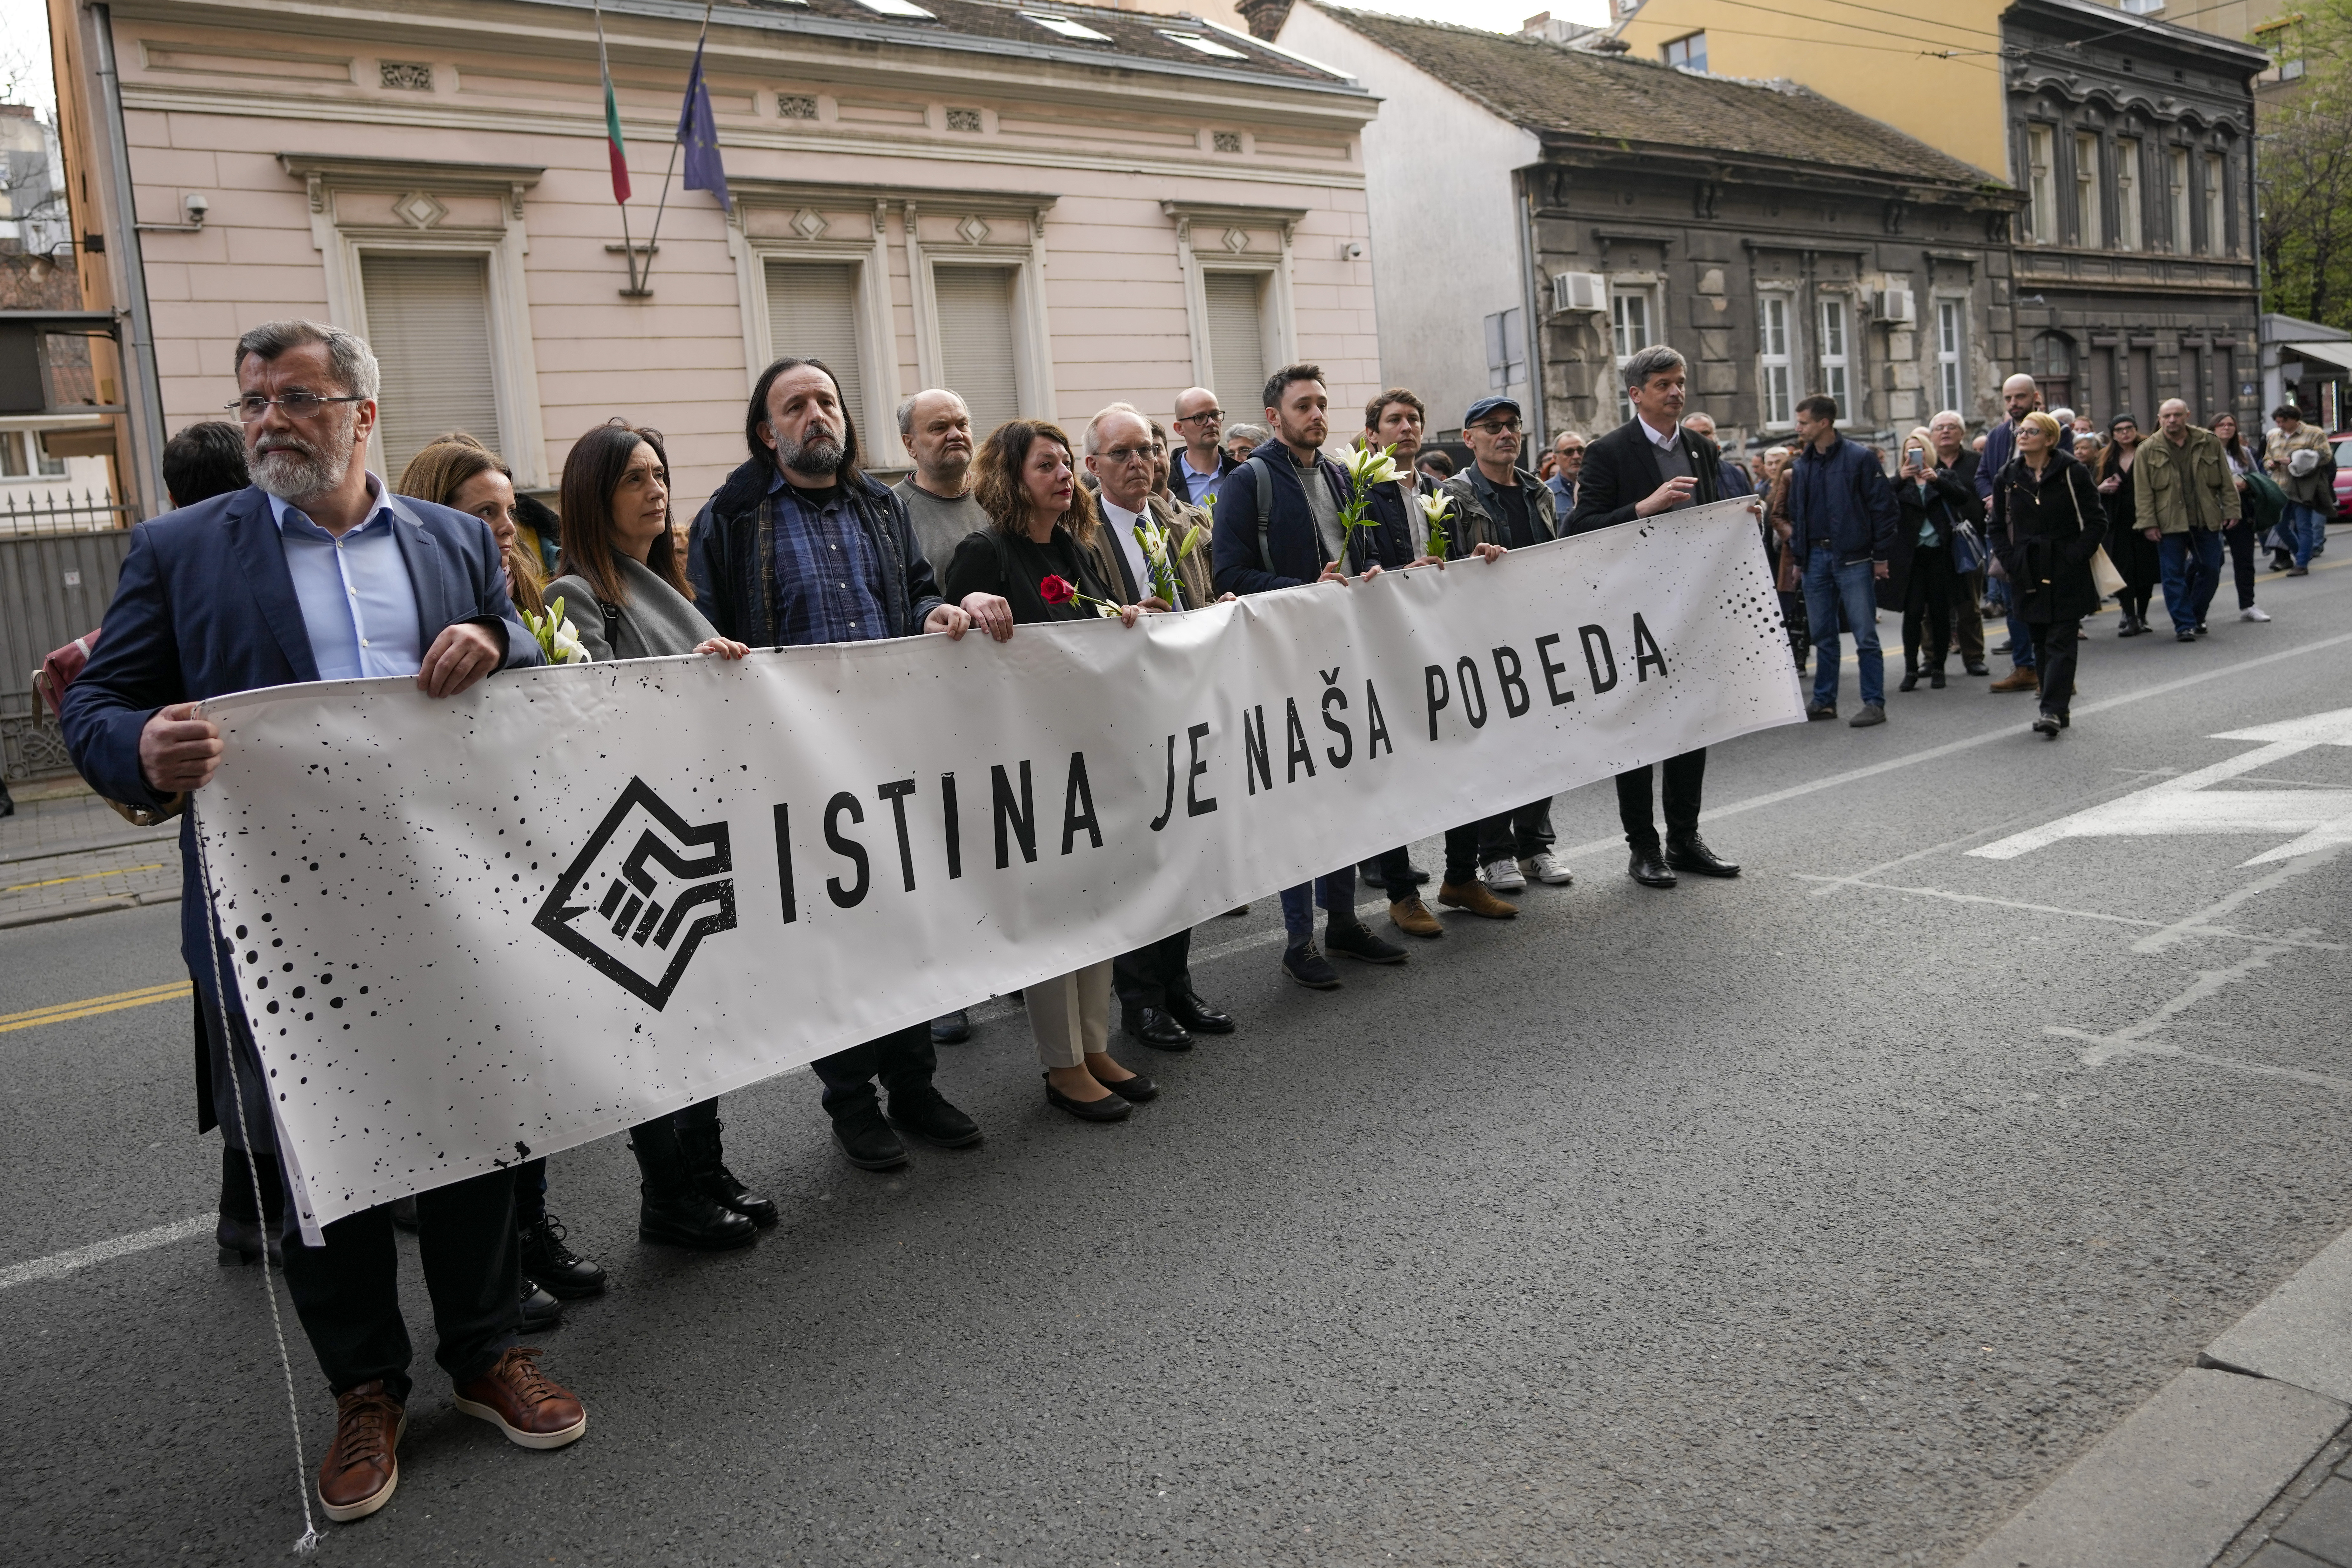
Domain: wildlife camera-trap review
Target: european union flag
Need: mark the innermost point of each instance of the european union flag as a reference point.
(699, 134)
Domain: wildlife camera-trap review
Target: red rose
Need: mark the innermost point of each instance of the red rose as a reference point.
(1057, 590)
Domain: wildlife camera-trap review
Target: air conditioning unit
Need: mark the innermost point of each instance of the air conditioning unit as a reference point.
(1579, 291)
(1896, 307)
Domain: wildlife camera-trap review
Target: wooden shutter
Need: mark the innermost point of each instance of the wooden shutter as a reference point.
(812, 314)
(428, 320)
(1237, 367)
(976, 353)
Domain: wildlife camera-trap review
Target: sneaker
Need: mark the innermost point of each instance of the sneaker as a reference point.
(1355, 939)
(2201, 628)
(1503, 876)
(1306, 964)
(1872, 713)
(522, 1401)
(2253, 612)
(362, 1468)
(1820, 711)
(1547, 868)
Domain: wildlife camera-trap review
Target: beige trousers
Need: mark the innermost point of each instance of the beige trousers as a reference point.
(1070, 1014)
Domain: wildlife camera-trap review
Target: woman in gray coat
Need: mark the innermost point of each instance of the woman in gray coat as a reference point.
(623, 583)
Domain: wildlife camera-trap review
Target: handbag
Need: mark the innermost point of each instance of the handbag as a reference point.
(1968, 550)
(2109, 580)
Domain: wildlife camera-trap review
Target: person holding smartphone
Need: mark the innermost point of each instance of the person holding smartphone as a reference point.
(1934, 501)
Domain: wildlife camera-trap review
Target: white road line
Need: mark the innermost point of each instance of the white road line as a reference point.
(2195, 925)
(2184, 929)
(2135, 1040)
(59, 1263)
(1950, 748)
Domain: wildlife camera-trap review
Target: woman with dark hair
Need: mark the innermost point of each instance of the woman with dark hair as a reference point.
(2046, 523)
(457, 470)
(624, 586)
(2132, 551)
(2259, 499)
(1037, 549)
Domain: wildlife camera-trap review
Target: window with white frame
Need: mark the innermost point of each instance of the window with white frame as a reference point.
(2216, 192)
(1774, 373)
(1951, 352)
(2089, 200)
(2131, 229)
(1836, 360)
(1631, 327)
(428, 320)
(2041, 190)
(1688, 52)
(1235, 303)
(812, 314)
(2175, 166)
(1506, 351)
(977, 355)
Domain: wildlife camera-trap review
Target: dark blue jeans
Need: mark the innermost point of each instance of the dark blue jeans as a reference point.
(1850, 590)
(2193, 570)
(1336, 893)
(2309, 526)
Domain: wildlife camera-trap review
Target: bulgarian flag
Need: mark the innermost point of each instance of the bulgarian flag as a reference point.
(614, 148)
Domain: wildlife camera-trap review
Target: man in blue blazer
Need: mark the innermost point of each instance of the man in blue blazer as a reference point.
(317, 573)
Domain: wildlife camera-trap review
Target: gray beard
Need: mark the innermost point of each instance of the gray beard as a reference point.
(290, 475)
(818, 455)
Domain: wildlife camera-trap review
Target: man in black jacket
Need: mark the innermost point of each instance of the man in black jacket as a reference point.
(1646, 466)
(1278, 526)
(801, 500)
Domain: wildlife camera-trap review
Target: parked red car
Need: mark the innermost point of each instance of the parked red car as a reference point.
(2342, 442)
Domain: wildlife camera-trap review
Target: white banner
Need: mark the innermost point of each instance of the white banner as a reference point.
(474, 931)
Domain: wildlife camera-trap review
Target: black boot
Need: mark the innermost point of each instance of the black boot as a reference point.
(675, 1212)
(563, 1272)
(1910, 679)
(716, 1182)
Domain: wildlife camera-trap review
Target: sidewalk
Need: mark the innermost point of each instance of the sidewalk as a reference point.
(66, 853)
(2243, 1461)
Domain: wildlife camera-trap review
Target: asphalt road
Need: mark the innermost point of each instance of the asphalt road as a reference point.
(1755, 1222)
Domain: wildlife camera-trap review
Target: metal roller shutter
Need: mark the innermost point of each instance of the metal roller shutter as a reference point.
(428, 320)
(976, 353)
(1237, 367)
(812, 314)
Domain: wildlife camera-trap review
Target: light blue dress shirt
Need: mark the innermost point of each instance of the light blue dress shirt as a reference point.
(1196, 485)
(358, 604)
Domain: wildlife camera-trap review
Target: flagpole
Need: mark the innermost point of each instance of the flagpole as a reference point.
(654, 244)
(604, 67)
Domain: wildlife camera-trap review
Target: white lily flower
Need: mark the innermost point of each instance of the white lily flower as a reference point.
(1438, 508)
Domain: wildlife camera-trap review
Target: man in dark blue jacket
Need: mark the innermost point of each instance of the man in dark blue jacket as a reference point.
(1278, 526)
(1843, 516)
(317, 573)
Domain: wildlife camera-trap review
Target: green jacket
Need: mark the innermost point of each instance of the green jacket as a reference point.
(2184, 487)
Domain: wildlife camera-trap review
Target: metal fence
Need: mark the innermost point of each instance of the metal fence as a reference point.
(57, 511)
(54, 585)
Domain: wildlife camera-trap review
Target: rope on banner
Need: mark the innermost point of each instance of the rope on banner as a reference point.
(309, 1541)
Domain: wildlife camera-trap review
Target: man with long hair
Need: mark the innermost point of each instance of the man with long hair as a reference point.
(799, 546)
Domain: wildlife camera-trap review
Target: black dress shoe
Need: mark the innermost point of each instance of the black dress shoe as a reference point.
(1690, 853)
(1110, 1108)
(242, 1241)
(1197, 1015)
(1135, 1090)
(1648, 870)
(1158, 1028)
(541, 1311)
(1368, 872)
(560, 1272)
(684, 1217)
(951, 1028)
(1355, 939)
(867, 1140)
(708, 1172)
(1978, 669)
(1910, 681)
(925, 1114)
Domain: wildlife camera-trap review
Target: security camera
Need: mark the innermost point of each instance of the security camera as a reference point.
(1351, 250)
(196, 206)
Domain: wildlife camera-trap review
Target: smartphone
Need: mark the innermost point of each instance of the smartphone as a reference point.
(1916, 456)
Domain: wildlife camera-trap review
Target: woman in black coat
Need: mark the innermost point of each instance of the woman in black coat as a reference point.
(2132, 551)
(1936, 500)
(2046, 523)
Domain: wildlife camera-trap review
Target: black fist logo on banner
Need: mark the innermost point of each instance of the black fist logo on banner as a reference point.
(641, 897)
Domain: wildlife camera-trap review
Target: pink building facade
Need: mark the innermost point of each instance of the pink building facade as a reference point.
(1047, 207)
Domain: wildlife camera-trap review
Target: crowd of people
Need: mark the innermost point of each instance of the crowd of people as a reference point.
(286, 561)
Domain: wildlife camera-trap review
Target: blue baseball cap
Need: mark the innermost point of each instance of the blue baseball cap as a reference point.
(1486, 406)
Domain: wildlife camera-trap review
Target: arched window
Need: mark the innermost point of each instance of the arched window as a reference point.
(2053, 369)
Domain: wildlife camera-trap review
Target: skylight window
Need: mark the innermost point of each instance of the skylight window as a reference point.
(1067, 28)
(1200, 45)
(906, 8)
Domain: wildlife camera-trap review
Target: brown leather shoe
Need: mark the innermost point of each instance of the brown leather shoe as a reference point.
(1410, 916)
(529, 1408)
(1473, 896)
(2018, 679)
(363, 1464)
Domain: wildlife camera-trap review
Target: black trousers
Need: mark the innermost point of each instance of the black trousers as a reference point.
(1153, 973)
(902, 1061)
(2056, 646)
(1684, 775)
(347, 1292)
(1927, 608)
(1520, 834)
(1465, 844)
(2240, 541)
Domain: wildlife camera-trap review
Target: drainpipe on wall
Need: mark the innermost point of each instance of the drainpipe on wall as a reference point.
(146, 467)
(1539, 428)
